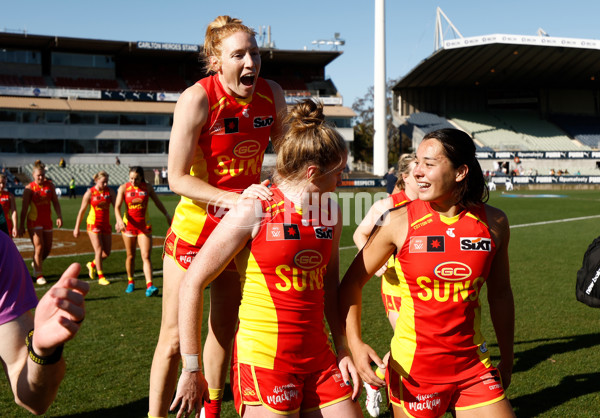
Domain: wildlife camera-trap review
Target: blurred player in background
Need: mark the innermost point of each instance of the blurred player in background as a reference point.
(9, 207)
(38, 197)
(135, 226)
(99, 197)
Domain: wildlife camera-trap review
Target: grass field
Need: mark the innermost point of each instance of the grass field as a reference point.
(557, 339)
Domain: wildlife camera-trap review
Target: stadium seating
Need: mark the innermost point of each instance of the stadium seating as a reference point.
(34, 81)
(586, 129)
(429, 122)
(86, 83)
(515, 130)
(10, 80)
(82, 173)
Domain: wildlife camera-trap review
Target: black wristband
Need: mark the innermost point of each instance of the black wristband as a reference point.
(42, 361)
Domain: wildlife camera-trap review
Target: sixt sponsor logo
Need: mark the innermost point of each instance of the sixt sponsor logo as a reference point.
(323, 232)
(476, 244)
(263, 121)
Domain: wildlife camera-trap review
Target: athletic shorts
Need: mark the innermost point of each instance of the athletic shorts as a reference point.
(287, 393)
(99, 229)
(133, 228)
(182, 252)
(43, 224)
(425, 400)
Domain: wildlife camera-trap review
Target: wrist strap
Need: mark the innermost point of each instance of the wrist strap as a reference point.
(190, 363)
(41, 360)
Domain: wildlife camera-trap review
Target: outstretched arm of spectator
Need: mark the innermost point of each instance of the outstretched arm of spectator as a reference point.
(57, 320)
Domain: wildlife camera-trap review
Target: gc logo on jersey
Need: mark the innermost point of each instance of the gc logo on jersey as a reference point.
(323, 232)
(247, 149)
(476, 244)
(263, 121)
(308, 259)
(452, 271)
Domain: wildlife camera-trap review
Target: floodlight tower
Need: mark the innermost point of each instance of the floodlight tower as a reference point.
(380, 151)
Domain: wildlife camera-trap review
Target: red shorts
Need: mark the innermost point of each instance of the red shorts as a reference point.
(105, 229)
(391, 302)
(434, 399)
(182, 252)
(133, 228)
(287, 393)
(44, 224)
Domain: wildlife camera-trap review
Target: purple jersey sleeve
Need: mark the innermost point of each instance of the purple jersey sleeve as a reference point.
(17, 294)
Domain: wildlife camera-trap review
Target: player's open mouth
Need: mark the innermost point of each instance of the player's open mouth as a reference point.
(424, 186)
(248, 80)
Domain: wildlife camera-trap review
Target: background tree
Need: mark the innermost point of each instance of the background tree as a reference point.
(362, 147)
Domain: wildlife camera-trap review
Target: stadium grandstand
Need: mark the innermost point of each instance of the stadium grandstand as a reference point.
(531, 103)
(89, 101)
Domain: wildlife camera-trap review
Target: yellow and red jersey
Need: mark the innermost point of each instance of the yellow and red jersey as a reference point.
(390, 293)
(399, 198)
(100, 200)
(40, 210)
(282, 270)
(136, 200)
(442, 266)
(229, 153)
(5, 196)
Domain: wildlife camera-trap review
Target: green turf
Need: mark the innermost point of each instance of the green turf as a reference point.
(557, 339)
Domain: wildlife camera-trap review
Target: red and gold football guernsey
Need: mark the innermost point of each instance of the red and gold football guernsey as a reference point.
(282, 324)
(390, 293)
(41, 198)
(399, 198)
(136, 199)
(5, 203)
(442, 267)
(229, 154)
(99, 215)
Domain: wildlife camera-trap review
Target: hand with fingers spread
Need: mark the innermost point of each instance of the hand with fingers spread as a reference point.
(59, 313)
(258, 191)
(32, 344)
(192, 391)
(363, 356)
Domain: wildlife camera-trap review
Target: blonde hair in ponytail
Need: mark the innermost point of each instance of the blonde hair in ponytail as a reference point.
(309, 141)
(217, 30)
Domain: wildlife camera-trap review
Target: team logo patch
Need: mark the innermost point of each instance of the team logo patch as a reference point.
(263, 121)
(247, 149)
(231, 125)
(453, 271)
(476, 244)
(281, 232)
(323, 232)
(433, 244)
(308, 259)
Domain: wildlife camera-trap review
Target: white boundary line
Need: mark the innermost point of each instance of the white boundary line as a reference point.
(581, 218)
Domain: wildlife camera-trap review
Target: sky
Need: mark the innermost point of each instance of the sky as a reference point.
(410, 25)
